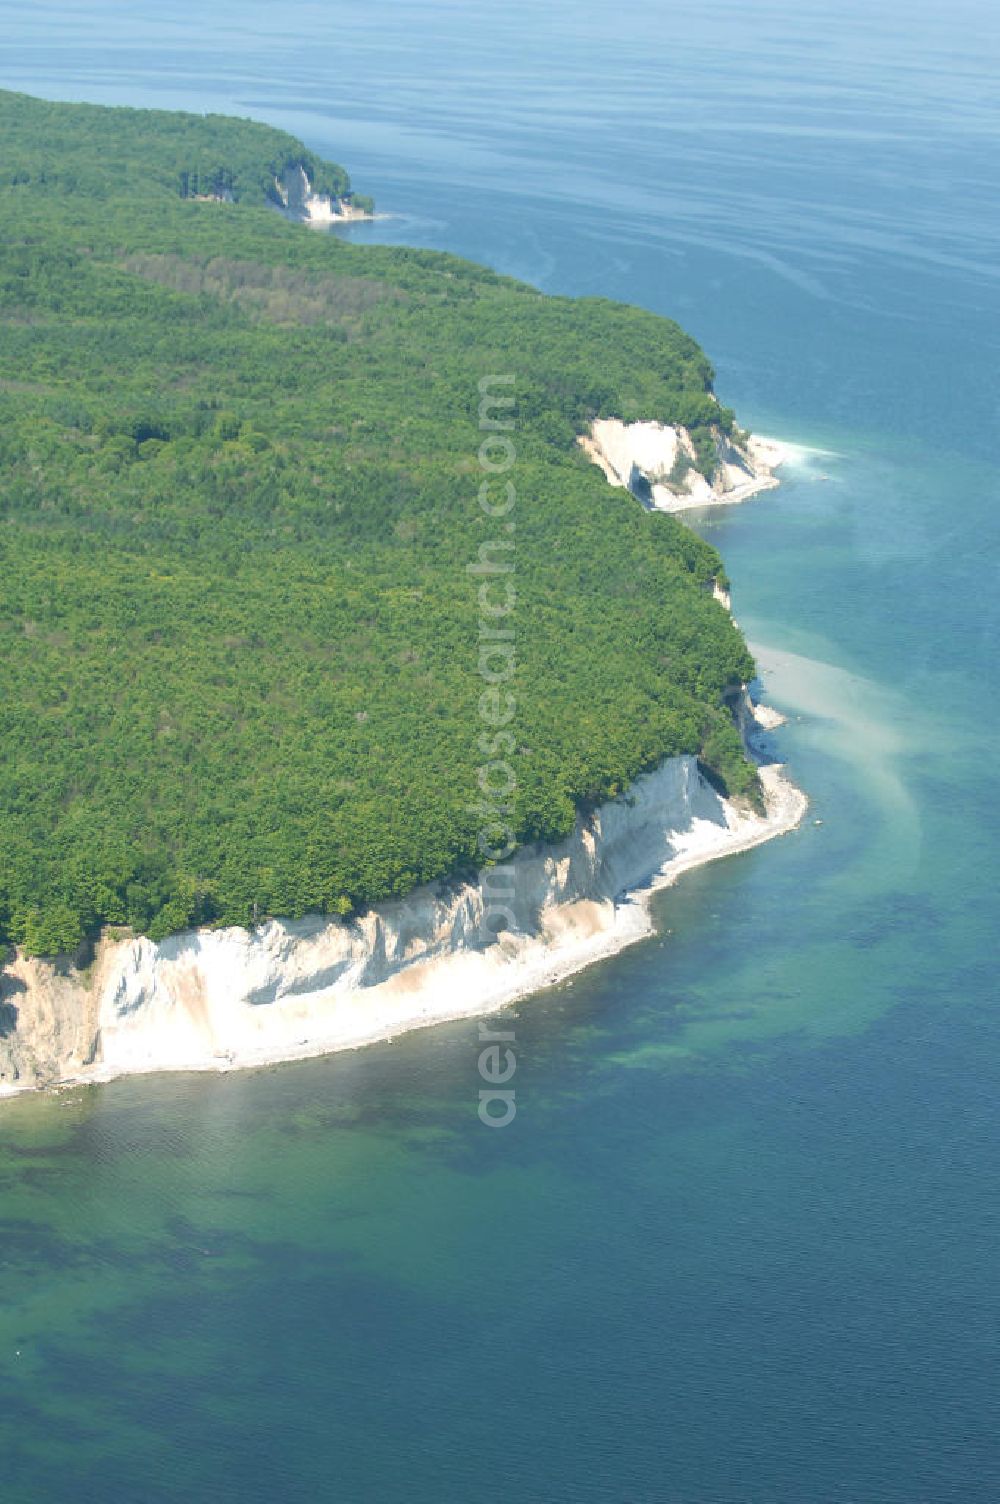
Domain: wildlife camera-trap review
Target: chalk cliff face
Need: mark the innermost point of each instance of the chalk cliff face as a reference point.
(211, 999)
(300, 202)
(654, 462)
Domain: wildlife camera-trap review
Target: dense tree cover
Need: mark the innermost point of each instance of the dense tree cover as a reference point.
(104, 153)
(239, 485)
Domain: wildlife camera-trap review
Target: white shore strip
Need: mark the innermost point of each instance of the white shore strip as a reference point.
(577, 935)
(567, 949)
(225, 1000)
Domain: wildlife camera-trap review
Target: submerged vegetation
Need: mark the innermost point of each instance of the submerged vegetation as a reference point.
(239, 495)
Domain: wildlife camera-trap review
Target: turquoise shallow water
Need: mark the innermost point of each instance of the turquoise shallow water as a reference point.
(741, 1242)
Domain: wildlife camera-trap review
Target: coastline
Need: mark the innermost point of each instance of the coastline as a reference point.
(631, 923)
(197, 1002)
(220, 1000)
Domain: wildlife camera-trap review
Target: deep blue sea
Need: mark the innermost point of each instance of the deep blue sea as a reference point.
(741, 1244)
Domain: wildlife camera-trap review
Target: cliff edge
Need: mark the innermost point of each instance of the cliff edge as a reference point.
(657, 463)
(217, 999)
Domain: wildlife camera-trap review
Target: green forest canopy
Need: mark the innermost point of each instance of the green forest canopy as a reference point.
(106, 154)
(238, 637)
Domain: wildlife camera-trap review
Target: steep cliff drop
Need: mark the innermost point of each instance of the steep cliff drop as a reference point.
(657, 464)
(298, 201)
(215, 999)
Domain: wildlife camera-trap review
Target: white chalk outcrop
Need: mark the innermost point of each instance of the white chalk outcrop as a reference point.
(299, 201)
(217, 999)
(655, 462)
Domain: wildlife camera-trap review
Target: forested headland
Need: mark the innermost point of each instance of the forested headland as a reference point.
(239, 491)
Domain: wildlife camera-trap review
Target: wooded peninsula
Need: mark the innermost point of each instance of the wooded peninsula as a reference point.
(239, 492)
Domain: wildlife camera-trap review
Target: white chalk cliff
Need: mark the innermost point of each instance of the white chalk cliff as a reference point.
(214, 999)
(299, 201)
(656, 463)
